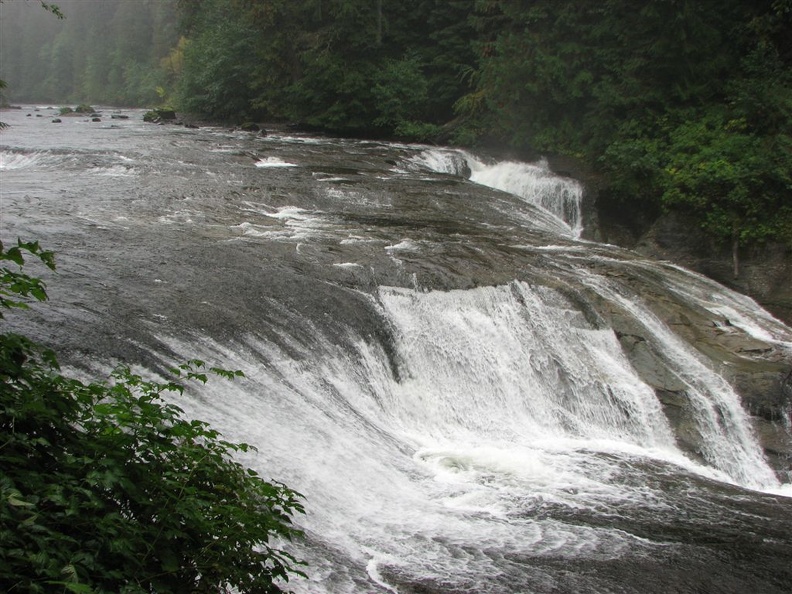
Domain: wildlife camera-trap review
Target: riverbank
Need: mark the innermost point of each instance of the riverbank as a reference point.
(765, 270)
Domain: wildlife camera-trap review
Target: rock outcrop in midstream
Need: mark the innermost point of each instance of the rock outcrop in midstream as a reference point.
(760, 370)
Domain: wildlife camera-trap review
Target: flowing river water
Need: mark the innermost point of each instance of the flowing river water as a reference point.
(470, 397)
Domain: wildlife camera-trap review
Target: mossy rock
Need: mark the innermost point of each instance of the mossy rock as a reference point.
(159, 115)
(250, 127)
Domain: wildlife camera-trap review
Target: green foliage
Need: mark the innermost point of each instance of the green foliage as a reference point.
(218, 65)
(735, 180)
(16, 287)
(105, 52)
(400, 91)
(416, 131)
(352, 66)
(105, 487)
(53, 8)
(685, 105)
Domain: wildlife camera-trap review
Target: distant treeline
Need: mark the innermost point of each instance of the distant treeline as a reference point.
(678, 104)
(107, 52)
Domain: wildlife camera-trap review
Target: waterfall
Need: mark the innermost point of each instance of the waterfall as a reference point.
(727, 443)
(490, 363)
(469, 398)
(493, 418)
(533, 182)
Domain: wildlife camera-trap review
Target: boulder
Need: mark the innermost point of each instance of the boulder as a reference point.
(249, 127)
(166, 114)
(157, 116)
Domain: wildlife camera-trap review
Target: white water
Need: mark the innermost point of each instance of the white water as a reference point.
(496, 417)
(490, 363)
(728, 443)
(13, 160)
(509, 414)
(273, 162)
(533, 182)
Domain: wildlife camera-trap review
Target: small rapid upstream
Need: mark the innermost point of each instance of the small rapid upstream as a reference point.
(470, 397)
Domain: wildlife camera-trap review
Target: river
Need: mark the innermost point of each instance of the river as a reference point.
(469, 396)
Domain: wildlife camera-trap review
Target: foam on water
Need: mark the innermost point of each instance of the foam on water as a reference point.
(12, 160)
(397, 499)
(273, 162)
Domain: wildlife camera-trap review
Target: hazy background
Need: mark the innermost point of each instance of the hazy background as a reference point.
(103, 51)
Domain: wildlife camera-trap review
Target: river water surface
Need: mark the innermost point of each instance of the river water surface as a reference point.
(430, 351)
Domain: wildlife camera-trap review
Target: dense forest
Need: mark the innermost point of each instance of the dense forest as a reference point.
(676, 104)
(112, 52)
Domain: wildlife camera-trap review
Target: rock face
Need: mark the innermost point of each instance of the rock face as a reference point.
(765, 271)
(760, 371)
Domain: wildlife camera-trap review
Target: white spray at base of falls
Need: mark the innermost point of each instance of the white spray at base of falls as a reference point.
(492, 400)
(491, 362)
(533, 182)
(494, 417)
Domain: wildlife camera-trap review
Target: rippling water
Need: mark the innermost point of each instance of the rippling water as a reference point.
(437, 363)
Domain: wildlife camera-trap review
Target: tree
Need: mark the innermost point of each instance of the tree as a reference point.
(723, 174)
(48, 7)
(683, 105)
(105, 52)
(105, 487)
(218, 64)
(361, 67)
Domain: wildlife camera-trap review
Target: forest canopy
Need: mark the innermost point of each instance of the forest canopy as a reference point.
(682, 105)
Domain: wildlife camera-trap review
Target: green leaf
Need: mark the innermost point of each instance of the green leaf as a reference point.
(15, 501)
(118, 489)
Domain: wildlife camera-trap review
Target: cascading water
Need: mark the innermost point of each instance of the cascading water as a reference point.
(533, 182)
(490, 364)
(469, 399)
(727, 443)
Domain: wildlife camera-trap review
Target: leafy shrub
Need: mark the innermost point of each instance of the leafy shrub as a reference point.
(105, 487)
